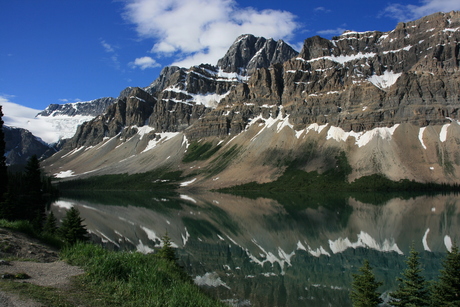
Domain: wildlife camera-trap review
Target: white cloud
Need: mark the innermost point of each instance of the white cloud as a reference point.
(66, 100)
(336, 31)
(108, 48)
(15, 115)
(403, 12)
(145, 62)
(322, 9)
(11, 109)
(113, 60)
(200, 31)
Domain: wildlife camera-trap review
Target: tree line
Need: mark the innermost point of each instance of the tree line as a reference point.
(413, 290)
(25, 196)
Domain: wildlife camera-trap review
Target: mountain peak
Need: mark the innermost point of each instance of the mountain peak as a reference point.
(249, 52)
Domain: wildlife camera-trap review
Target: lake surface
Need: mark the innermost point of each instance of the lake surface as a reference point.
(280, 250)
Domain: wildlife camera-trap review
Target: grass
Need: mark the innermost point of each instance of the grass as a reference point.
(134, 279)
(46, 295)
(27, 228)
(112, 279)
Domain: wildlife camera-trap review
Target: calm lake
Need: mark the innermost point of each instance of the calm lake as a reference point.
(285, 249)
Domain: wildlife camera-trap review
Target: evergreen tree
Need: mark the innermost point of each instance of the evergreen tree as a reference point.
(446, 291)
(3, 169)
(13, 205)
(32, 192)
(34, 175)
(412, 290)
(364, 288)
(72, 230)
(50, 226)
(167, 251)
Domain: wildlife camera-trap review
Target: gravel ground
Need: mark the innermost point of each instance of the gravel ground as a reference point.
(42, 265)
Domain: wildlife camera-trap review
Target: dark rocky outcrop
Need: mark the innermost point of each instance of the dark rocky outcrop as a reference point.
(248, 53)
(20, 144)
(160, 83)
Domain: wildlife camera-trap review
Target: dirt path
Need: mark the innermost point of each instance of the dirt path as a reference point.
(40, 262)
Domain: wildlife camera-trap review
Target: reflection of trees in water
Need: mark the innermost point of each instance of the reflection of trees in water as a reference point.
(227, 236)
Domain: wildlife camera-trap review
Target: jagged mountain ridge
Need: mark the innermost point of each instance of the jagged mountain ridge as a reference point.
(369, 94)
(85, 108)
(348, 81)
(179, 96)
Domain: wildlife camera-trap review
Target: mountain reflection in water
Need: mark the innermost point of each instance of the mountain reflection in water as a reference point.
(296, 250)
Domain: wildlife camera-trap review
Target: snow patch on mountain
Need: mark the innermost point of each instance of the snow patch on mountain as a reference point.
(420, 136)
(335, 133)
(160, 138)
(341, 59)
(209, 100)
(141, 131)
(339, 134)
(443, 133)
(384, 81)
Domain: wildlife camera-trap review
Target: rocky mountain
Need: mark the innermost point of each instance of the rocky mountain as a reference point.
(248, 53)
(388, 100)
(85, 108)
(179, 96)
(57, 123)
(20, 144)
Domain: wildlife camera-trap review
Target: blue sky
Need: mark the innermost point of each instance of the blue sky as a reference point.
(55, 51)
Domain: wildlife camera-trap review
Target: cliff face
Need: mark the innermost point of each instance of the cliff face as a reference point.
(20, 144)
(359, 81)
(389, 100)
(179, 96)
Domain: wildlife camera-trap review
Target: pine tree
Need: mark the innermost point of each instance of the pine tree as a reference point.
(364, 292)
(34, 205)
(50, 226)
(72, 230)
(412, 290)
(34, 175)
(167, 251)
(446, 291)
(3, 169)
